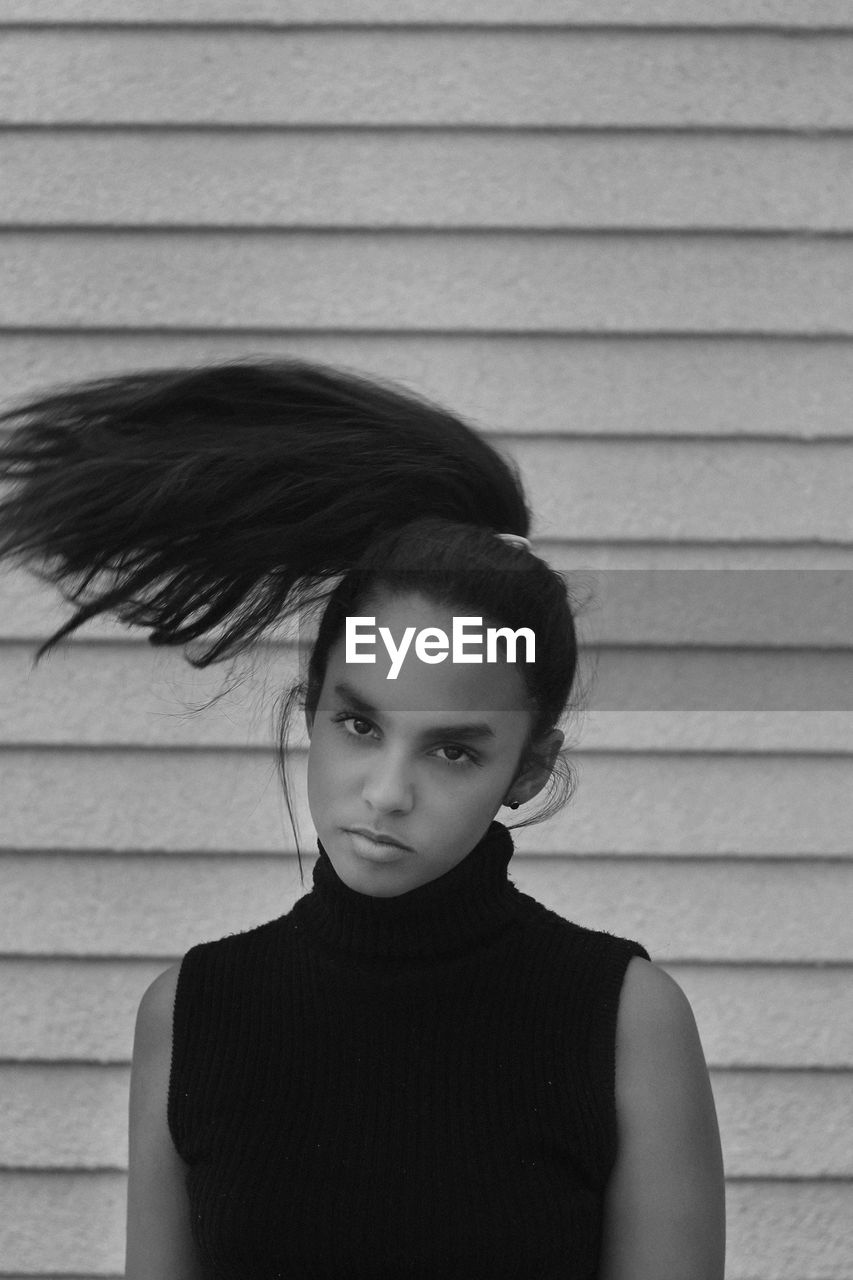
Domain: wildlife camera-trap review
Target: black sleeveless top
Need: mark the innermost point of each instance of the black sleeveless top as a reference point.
(410, 1088)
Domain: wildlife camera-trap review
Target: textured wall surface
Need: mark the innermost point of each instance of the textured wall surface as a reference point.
(616, 235)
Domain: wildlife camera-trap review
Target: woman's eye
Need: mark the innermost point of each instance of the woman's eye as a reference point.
(346, 718)
(466, 757)
(461, 757)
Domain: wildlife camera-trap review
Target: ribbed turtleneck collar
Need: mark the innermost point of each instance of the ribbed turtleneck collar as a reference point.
(466, 906)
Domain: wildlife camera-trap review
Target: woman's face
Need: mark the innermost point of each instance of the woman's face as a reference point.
(389, 754)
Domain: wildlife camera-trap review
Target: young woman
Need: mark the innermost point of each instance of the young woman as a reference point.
(418, 1071)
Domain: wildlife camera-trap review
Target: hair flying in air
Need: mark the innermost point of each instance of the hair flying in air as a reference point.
(183, 500)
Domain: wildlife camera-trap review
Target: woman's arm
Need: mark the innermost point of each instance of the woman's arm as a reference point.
(159, 1243)
(665, 1202)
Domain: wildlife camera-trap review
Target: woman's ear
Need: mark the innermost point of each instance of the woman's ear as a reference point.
(537, 769)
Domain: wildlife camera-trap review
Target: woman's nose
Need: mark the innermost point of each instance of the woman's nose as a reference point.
(388, 784)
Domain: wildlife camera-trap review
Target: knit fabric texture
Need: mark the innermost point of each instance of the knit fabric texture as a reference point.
(417, 1087)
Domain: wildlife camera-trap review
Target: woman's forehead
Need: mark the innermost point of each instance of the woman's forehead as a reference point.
(423, 691)
(400, 656)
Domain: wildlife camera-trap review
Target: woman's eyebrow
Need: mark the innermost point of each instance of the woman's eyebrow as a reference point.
(471, 731)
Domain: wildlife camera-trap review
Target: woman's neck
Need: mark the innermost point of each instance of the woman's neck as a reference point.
(456, 912)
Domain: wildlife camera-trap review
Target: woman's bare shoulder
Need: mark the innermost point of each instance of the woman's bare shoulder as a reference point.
(154, 1016)
(651, 999)
(656, 1032)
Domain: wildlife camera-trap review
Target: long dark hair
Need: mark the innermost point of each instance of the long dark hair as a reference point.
(209, 504)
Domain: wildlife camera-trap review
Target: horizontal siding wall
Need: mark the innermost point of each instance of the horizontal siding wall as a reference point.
(553, 78)
(803, 15)
(619, 238)
(412, 178)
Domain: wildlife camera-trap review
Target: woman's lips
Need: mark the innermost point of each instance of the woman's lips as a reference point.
(380, 850)
(379, 836)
